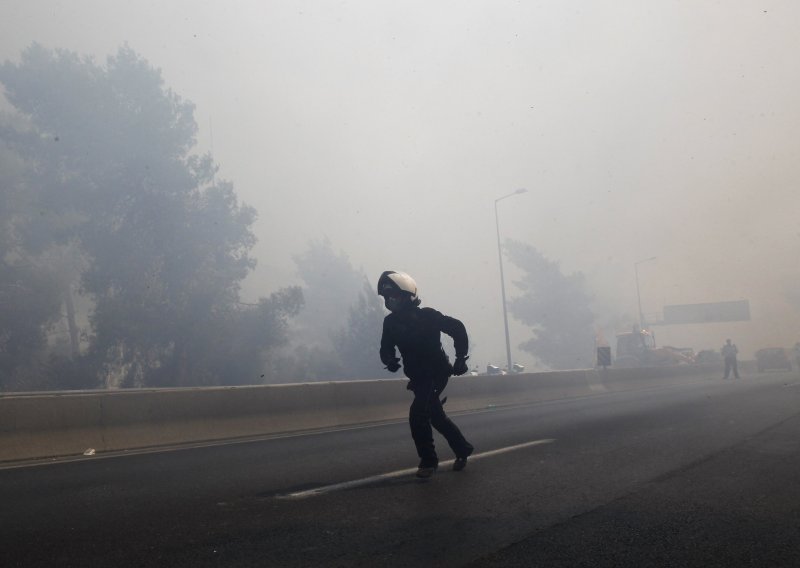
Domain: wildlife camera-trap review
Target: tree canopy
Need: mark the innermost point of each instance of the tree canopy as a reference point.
(555, 306)
(330, 286)
(337, 333)
(104, 165)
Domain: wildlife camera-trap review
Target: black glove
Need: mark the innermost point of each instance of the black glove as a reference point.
(393, 366)
(460, 366)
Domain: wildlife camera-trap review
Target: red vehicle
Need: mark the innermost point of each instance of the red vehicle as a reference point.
(637, 348)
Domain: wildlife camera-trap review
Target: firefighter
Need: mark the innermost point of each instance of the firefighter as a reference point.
(729, 353)
(416, 332)
(797, 354)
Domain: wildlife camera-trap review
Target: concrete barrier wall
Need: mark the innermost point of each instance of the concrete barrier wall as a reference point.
(41, 425)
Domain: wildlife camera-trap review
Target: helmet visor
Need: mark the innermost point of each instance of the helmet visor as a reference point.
(394, 300)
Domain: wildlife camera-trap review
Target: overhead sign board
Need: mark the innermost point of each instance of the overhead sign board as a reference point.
(707, 313)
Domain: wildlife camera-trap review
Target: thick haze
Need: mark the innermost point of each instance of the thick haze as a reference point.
(639, 128)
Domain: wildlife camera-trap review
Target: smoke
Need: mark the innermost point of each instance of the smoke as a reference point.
(639, 130)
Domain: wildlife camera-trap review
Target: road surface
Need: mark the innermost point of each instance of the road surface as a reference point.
(701, 474)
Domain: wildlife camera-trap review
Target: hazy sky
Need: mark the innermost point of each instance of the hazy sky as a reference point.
(639, 127)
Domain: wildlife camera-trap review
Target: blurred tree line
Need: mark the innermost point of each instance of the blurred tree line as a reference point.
(104, 206)
(337, 334)
(557, 308)
(121, 255)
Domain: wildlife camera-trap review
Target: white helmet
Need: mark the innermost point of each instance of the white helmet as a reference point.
(393, 283)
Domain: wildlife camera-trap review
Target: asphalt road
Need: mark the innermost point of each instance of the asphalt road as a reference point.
(704, 474)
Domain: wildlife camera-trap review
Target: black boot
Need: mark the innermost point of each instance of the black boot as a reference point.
(425, 470)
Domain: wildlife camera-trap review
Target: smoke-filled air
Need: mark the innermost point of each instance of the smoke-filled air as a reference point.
(206, 193)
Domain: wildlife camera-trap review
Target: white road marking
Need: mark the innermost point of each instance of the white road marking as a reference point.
(402, 472)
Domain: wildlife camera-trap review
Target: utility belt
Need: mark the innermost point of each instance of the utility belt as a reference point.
(439, 384)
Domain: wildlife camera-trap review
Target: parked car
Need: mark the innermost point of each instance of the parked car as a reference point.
(708, 357)
(772, 358)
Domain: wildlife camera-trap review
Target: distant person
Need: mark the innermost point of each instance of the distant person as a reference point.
(729, 353)
(797, 354)
(416, 332)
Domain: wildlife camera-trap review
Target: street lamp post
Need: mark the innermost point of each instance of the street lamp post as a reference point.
(638, 294)
(502, 278)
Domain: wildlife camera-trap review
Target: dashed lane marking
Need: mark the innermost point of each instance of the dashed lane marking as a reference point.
(402, 472)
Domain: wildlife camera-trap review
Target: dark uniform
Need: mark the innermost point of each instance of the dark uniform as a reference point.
(729, 352)
(797, 354)
(416, 333)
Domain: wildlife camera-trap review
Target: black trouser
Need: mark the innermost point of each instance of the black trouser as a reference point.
(427, 411)
(730, 364)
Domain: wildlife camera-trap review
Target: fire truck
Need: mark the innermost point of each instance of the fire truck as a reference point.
(637, 348)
